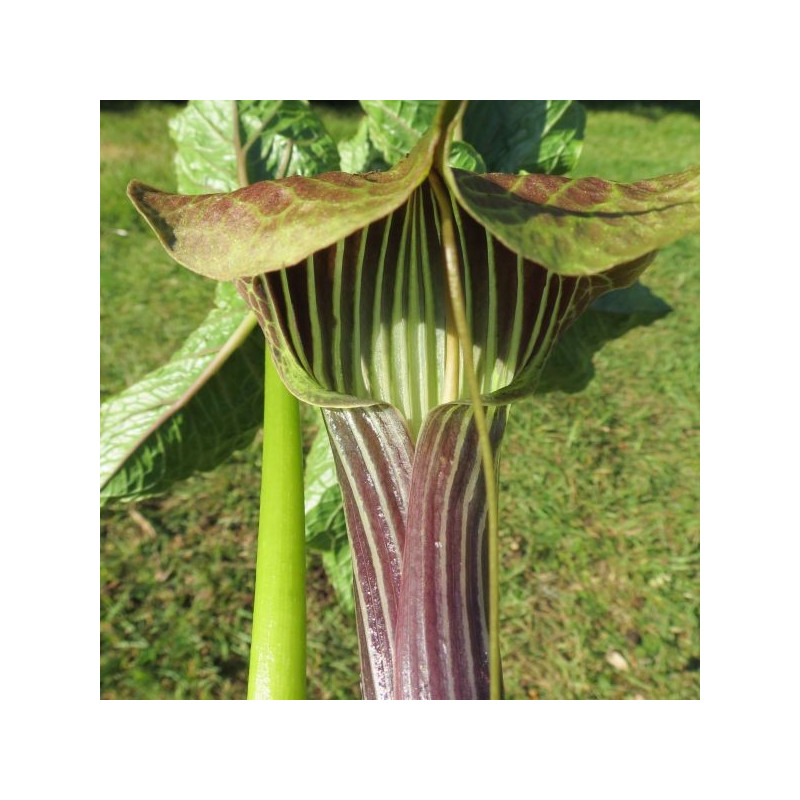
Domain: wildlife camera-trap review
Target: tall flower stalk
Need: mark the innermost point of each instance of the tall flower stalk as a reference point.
(413, 306)
(278, 640)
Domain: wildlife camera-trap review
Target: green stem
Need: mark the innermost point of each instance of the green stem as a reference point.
(278, 646)
(278, 641)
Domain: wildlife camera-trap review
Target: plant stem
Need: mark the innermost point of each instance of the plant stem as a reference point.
(278, 640)
(278, 646)
(456, 293)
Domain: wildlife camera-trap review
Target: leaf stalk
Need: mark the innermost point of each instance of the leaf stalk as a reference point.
(278, 645)
(278, 639)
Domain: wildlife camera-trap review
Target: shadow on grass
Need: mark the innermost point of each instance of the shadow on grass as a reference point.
(652, 109)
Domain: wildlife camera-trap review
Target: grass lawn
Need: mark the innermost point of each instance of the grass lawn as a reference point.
(599, 491)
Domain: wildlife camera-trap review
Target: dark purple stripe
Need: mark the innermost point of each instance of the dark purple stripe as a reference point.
(375, 523)
(441, 648)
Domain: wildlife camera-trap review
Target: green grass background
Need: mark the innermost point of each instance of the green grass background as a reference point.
(599, 490)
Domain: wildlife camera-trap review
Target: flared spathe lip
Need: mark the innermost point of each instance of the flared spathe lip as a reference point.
(572, 227)
(273, 225)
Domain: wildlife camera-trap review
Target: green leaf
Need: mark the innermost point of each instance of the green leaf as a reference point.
(338, 564)
(395, 126)
(326, 529)
(273, 135)
(570, 368)
(207, 401)
(562, 143)
(325, 525)
(357, 154)
(464, 156)
(540, 136)
(186, 416)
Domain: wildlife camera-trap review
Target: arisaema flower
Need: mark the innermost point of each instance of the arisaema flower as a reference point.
(347, 276)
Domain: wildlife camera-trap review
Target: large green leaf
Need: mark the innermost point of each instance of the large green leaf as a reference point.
(190, 414)
(395, 126)
(358, 154)
(499, 135)
(390, 130)
(274, 137)
(542, 136)
(207, 401)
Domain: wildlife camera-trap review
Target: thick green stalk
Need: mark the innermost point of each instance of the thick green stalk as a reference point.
(278, 646)
(278, 641)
